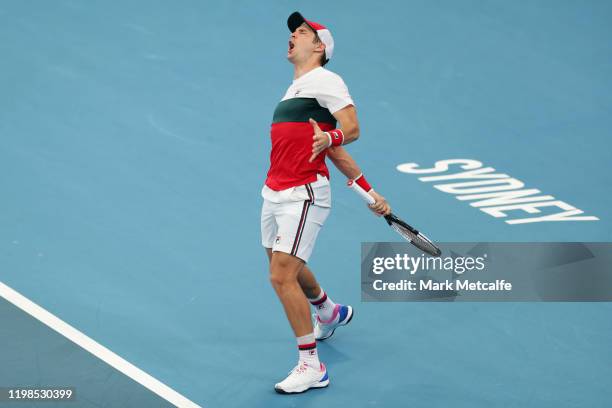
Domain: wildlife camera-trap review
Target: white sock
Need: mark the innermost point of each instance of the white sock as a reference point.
(307, 347)
(324, 306)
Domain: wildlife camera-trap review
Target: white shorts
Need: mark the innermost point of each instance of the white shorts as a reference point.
(291, 219)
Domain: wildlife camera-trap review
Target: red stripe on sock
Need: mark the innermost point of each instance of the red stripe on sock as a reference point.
(318, 302)
(307, 346)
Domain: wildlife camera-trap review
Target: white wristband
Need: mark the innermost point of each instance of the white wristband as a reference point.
(329, 139)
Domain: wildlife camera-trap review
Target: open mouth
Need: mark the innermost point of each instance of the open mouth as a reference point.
(291, 45)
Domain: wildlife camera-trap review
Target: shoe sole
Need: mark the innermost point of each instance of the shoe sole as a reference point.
(318, 386)
(342, 324)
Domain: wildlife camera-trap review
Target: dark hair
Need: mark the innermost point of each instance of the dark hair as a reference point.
(317, 40)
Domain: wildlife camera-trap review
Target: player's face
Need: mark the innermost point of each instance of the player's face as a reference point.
(301, 44)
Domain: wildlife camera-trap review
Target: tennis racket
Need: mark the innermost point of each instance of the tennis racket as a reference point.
(407, 232)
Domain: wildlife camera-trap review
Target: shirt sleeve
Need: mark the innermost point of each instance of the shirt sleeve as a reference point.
(334, 95)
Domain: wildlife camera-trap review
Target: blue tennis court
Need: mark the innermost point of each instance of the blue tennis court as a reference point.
(134, 145)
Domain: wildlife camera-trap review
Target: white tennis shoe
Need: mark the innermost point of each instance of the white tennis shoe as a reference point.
(341, 316)
(302, 378)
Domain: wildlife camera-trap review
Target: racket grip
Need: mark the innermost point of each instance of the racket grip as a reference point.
(366, 197)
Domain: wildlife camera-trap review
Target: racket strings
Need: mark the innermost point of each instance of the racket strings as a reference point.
(418, 240)
(403, 231)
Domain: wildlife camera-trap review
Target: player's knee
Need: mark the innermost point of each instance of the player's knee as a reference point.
(280, 277)
(276, 279)
(283, 270)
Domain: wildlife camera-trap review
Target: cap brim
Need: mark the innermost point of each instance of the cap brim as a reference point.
(295, 20)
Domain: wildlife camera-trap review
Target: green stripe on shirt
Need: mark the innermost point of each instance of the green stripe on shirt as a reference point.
(300, 110)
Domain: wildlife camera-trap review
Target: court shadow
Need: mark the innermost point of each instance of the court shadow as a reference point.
(331, 354)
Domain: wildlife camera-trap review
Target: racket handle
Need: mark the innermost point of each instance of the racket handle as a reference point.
(366, 197)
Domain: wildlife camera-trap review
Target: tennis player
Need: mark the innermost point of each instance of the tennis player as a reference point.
(297, 197)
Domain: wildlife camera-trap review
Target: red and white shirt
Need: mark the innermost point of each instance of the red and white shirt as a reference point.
(318, 94)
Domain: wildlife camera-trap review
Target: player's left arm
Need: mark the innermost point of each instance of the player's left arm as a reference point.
(347, 133)
(347, 166)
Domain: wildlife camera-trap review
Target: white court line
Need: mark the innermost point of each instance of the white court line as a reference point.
(95, 348)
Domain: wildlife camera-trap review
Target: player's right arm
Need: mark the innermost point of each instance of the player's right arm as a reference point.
(347, 166)
(349, 128)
